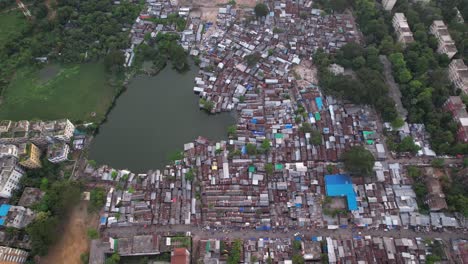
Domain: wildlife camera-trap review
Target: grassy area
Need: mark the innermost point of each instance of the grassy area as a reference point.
(10, 22)
(72, 92)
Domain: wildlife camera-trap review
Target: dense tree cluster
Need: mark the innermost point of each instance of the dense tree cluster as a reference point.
(160, 50)
(366, 87)
(358, 161)
(261, 10)
(75, 31)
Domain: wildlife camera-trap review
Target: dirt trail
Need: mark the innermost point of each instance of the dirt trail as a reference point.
(52, 12)
(74, 239)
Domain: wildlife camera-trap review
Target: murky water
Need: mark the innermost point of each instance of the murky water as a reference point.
(152, 120)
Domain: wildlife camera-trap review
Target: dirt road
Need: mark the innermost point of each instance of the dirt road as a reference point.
(74, 239)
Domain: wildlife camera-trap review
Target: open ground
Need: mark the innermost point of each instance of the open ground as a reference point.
(209, 8)
(75, 92)
(74, 240)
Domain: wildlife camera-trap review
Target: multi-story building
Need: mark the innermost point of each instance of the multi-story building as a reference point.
(458, 74)
(39, 133)
(60, 129)
(58, 152)
(180, 256)
(8, 150)
(388, 4)
(30, 156)
(457, 108)
(10, 255)
(445, 41)
(402, 29)
(10, 176)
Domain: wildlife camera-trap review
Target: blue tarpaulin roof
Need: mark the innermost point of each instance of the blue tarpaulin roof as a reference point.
(318, 101)
(341, 185)
(103, 220)
(288, 126)
(4, 208)
(253, 121)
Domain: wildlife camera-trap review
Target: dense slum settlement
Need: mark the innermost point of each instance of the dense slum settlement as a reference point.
(227, 184)
(251, 67)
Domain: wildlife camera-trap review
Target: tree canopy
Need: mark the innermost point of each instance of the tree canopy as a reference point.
(261, 10)
(358, 161)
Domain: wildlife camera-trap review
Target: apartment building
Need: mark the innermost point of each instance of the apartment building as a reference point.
(402, 29)
(388, 4)
(10, 175)
(10, 255)
(457, 108)
(445, 41)
(30, 156)
(458, 74)
(58, 152)
(8, 150)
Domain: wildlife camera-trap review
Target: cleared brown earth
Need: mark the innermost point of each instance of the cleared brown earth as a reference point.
(74, 239)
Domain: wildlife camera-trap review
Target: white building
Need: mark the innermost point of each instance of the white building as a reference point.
(402, 29)
(8, 150)
(458, 74)
(58, 152)
(388, 4)
(12, 255)
(446, 43)
(10, 176)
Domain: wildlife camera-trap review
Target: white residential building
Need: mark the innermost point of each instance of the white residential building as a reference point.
(12, 255)
(58, 152)
(8, 150)
(402, 29)
(458, 74)
(10, 176)
(388, 4)
(446, 43)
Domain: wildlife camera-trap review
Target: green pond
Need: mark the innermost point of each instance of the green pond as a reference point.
(153, 119)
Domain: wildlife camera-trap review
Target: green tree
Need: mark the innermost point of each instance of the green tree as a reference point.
(93, 233)
(266, 145)
(269, 168)
(398, 123)
(114, 175)
(261, 10)
(408, 145)
(251, 149)
(358, 161)
(315, 137)
(437, 163)
(114, 61)
(298, 259)
(97, 199)
(232, 131)
(189, 176)
(113, 259)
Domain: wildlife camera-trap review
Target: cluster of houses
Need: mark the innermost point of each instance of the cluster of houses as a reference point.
(249, 68)
(358, 249)
(154, 19)
(22, 144)
(355, 249)
(144, 245)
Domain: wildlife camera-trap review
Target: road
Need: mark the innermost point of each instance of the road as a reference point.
(249, 233)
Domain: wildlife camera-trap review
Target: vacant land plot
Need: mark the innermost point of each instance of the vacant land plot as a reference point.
(74, 239)
(10, 22)
(75, 92)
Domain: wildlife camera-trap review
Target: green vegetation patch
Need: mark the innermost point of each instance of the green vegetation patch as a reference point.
(11, 23)
(75, 93)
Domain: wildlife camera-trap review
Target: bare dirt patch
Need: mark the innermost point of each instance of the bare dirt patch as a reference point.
(307, 72)
(209, 8)
(74, 239)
